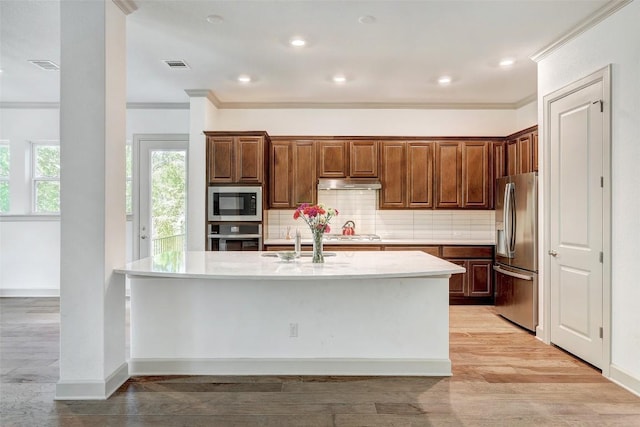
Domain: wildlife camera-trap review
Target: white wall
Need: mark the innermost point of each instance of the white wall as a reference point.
(614, 41)
(527, 116)
(402, 122)
(30, 245)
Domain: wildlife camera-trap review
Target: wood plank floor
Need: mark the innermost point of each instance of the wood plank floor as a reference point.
(502, 376)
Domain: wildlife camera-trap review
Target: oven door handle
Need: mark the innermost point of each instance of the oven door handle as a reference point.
(235, 236)
(512, 274)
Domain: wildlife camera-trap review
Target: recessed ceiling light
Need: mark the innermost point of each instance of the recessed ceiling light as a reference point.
(339, 78)
(444, 80)
(214, 19)
(507, 62)
(244, 78)
(367, 19)
(297, 42)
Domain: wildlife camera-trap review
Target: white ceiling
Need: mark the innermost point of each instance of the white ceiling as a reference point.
(394, 61)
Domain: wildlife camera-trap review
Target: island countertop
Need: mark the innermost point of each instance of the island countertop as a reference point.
(260, 266)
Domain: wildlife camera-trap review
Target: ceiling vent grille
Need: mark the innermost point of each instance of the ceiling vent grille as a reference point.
(45, 64)
(176, 64)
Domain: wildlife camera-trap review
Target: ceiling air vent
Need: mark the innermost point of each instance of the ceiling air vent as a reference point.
(45, 64)
(176, 64)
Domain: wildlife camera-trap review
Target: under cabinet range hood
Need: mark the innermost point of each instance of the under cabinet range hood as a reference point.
(349, 184)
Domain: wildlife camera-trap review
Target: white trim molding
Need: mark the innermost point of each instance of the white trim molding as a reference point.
(295, 366)
(29, 293)
(589, 22)
(126, 6)
(92, 390)
(624, 379)
(204, 93)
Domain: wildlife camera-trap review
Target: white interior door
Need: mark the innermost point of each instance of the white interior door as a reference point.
(576, 222)
(160, 222)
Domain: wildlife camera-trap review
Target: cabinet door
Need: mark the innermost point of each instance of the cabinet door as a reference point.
(332, 156)
(220, 155)
(534, 148)
(499, 160)
(524, 154)
(249, 159)
(480, 282)
(448, 176)
(363, 159)
(420, 175)
(393, 174)
(303, 181)
(458, 282)
(512, 157)
(280, 174)
(476, 175)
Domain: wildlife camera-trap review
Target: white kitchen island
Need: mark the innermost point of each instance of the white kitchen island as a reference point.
(246, 313)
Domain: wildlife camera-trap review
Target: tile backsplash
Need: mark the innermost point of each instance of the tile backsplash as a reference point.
(360, 206)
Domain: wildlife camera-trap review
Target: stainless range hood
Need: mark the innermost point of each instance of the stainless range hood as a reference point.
(349, 184)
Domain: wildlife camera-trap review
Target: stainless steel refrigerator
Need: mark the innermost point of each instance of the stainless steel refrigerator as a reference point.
(516, 264)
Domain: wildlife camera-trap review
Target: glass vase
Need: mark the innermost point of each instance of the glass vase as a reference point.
(318, 257)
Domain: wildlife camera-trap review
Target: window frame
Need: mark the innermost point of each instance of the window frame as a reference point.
(35, 180)
(7, 178)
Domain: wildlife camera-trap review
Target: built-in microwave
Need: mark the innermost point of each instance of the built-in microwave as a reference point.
(234, 203)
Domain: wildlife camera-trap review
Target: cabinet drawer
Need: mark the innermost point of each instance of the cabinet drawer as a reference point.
(467, 251)
(431, 250)
(351, 247)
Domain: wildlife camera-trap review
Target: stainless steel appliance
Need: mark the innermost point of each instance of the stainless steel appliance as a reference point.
(516, 264)
(234, 203)
(235, 237)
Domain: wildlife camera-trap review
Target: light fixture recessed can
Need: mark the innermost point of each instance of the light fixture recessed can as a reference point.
(214, 19)
(297, 42)
(444, 80)
(367, 19)
(507, 62)
(339, 78)
(243, 78)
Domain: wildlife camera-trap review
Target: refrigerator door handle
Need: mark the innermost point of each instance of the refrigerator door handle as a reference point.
(512, 210)
(512, 274)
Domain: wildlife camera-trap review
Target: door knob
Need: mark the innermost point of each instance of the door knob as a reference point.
(144, 236)
(552, 252)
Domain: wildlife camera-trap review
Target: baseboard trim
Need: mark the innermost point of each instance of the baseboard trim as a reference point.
(92, 390)
(624, 379)
(306, 366)
(30, 293)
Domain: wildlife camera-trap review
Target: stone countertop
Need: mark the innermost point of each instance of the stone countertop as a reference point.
(257, 266)
(386, 241)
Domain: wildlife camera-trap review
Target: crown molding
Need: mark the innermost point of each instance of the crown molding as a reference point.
(126, 6)
(158, 105)
(527, 100)
(367, 106)
(589, 22)
(30, 105)
(204, 93)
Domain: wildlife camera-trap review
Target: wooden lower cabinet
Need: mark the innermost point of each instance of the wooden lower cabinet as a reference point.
(475, 286)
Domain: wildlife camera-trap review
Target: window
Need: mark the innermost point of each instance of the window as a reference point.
(4, 176)
(45, 174)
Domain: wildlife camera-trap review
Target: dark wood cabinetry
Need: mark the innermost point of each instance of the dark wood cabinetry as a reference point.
(420, 175)
(333, 159)
(236, 157)
(292, 177)
(464, 175)
(363, 159)
(499, 160)
(393, 159)
(476, 285)
(522, 151)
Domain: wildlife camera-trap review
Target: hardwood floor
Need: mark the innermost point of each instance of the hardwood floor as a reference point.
(502, 376)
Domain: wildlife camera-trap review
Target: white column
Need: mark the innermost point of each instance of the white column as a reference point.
(92, 138)
(202, 113)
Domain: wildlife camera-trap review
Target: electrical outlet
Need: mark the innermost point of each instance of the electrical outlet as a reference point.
(293, 330)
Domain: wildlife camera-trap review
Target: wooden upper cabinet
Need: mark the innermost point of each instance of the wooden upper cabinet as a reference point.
(522, 151)
(499, 160)
(448, 175)
(220, 156)
(280, 162)
(363, 159)
(512, 157)
(393, 155)
(524, 154)
(249, 159)
(304, 173)
(477, 182)
(420, 175)
(236, 158)
(333, 157)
